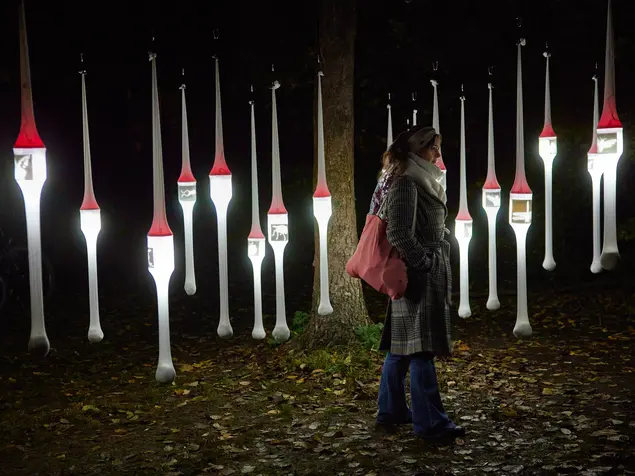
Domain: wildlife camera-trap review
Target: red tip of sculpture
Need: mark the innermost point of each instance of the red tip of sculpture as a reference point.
(321, 191)
(160, 227)
(186, 176)
(28, 137)
(463, 215)
(609, 119)
(256, 232)
(491, 183)
(89, 203)
(548, 131)
(520, 185)
(277, 207)
(220, 165)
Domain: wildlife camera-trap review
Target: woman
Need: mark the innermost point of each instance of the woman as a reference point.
(417, 326)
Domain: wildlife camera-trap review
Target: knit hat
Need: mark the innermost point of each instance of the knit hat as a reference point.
(420, 138)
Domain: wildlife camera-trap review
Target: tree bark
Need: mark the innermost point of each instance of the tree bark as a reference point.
(337, 31)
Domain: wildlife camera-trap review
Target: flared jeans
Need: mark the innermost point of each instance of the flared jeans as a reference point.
(426, 410)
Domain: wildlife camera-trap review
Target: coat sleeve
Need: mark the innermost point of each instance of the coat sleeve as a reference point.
(400, 209)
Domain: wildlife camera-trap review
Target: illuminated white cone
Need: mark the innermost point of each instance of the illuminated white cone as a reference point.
(520, 200)
(491, 204)
(90, 221)
(278, 225)
(610, 146)
(187, 198)
(463, 228)
(220, 191)
(548, 149)
(160, 242)
(256, 248)
(322, 209)
(30, 173)
(435, 124)
(594, 166)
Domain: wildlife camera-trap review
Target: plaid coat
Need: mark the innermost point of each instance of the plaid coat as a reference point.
(419, 321)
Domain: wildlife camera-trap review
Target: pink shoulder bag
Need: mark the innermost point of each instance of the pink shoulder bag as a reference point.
(376, 261)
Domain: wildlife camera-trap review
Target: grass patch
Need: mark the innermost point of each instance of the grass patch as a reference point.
(370, 336)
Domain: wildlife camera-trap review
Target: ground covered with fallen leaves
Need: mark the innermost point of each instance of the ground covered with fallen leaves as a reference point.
(559, 403)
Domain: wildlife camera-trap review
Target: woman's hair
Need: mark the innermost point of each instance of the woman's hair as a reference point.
(396, 157)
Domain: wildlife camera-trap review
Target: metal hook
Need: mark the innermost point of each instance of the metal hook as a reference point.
(81, 57)
(546, 45)
(490, 70)
(519, 22)
(414, 96)
(251, 88)
(596, 65)
(389, 96)
(182, 71)
(435, 65)
(272, 68)
(215, 33)
(462, 90)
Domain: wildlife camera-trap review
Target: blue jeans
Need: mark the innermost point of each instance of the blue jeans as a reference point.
(426, 413)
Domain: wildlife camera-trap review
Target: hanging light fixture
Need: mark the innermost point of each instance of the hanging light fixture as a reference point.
(90, 223)
(278, 225)
(610, 145)
(594, 166)
(256, 248)
(220, 191)
(322, 208)
(435, 124)
(187, 197)
(548, 149)
(463, 226)
(389, 137)
(520, 200)
(491, 204)
(160, 241)
(30, 173)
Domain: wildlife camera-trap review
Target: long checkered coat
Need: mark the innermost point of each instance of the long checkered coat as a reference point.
(419, 321)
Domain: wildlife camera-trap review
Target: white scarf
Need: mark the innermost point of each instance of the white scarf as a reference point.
(427, 175)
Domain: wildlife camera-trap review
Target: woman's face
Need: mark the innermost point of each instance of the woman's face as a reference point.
(431, 154)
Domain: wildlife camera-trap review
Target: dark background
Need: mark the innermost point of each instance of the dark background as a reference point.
(397, 43)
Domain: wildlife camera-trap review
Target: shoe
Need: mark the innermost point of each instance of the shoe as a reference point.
(445, 434)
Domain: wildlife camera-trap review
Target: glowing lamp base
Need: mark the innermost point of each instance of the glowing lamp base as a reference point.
(493, 304)
(165, 373)
(95, 335)
(596, 267)
(39, 345)
(610, 260)
(523, 330)
(549, 264)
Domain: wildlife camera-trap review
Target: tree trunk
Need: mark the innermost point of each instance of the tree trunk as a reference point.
(337, 43)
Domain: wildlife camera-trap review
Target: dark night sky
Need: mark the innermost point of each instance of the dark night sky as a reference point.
(397, 43)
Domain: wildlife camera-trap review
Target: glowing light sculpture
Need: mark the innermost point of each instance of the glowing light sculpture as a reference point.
(322, 208)
(548, 149)
(610, 146)
(414, 110)
(435, 124)
(463, 228)
(220, 191)
(491, 204)
(90, 222)
(278, 225)
(520, 200)
(389, 138)
(30, 174)
(160, 241)
(256, 239)
(594, 166)
(187, 198)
